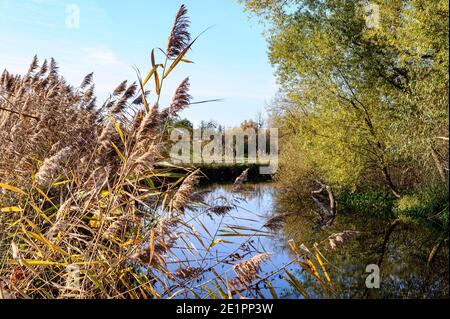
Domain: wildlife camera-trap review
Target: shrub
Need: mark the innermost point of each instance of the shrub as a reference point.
(375, 203)
(429, 204)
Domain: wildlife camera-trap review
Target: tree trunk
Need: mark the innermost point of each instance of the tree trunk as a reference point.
(328, 213)
(439, 167)
(389, 182)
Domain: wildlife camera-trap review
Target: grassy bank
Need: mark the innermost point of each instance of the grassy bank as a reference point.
(427, 205)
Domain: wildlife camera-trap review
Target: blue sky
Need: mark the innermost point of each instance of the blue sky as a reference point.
(230, 59)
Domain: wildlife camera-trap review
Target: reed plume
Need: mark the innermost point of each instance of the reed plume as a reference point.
(181, 199)
(181, 98)
(87, 80)
(118, 226)
(51, 166)
(120, 88)
(179, 37)
(151, 121)
(113, 214)
(33, 65)
(248, 270)
(339, 240)
(44, 68)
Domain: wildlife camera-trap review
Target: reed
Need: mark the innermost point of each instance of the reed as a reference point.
(86, 211)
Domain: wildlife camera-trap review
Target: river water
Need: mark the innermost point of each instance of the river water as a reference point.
(238, 233)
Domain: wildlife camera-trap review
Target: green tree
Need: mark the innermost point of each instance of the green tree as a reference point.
(362, 101)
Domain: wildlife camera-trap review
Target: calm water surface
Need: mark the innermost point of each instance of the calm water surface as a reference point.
(240, 234)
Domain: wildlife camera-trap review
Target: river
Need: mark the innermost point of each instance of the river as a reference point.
(237, 232)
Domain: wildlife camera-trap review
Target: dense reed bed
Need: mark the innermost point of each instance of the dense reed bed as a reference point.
(87, 211)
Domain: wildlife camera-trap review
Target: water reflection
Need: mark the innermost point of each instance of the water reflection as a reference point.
(404, 269)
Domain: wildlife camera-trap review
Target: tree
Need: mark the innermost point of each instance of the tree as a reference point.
(362, 101)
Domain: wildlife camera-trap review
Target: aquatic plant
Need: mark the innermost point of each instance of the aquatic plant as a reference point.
(89, 206)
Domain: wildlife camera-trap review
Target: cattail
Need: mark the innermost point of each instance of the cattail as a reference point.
(52, 92)
(181, 98)
(242, 178)
(248, 270)
(98, 178)
(87, 80)
(181, 199)
(3, 77)
(179, 37)
(129, 93)
(51, 166)
(137, 120)
(119, 89)
(34, 64)
(8, 82)
(108, 104)
(60, 224)
(91, 104)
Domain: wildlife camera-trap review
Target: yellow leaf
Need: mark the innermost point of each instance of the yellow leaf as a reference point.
(152, 245)
(46, 197)
(13, 209)
(46, 242)
(12, 188)
(33, 262)
(94, 223)
(149, 75)
(60, 183)
(218, 241)
(118, 152)
(119, 130)
(157, 82)
(323, 267)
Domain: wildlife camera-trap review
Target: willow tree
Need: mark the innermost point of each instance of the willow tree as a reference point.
(365, 85)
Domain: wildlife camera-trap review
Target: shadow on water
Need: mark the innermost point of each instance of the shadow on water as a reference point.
(404, 271)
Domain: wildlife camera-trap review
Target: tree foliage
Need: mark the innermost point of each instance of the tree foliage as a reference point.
(362, 102)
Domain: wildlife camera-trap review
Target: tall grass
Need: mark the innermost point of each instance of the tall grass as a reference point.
(86, 209)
